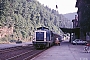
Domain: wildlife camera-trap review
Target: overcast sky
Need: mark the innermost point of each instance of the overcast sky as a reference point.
(64, 6)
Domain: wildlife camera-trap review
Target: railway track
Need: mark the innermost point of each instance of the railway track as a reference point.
(26, 55)
(19, 53)
(6, 50)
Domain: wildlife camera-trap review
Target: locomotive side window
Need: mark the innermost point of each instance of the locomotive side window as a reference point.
(39, 36)
(48, 36)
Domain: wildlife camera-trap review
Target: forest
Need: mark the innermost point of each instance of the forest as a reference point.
(25, 16)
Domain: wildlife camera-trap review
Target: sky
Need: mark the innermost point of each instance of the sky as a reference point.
(64, 6)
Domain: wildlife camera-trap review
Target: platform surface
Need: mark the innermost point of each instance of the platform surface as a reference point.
(66, 51)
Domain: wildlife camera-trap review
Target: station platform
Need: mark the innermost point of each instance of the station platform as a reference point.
(2, 46)
(66, 51)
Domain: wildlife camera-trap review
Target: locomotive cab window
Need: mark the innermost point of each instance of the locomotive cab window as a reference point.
(39, 36)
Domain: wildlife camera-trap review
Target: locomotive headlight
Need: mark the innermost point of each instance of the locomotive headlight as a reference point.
(44, 39)
(33, 40)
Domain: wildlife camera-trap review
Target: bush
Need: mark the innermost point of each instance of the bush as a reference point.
(4, 39)
(12, 41)
(18, 42)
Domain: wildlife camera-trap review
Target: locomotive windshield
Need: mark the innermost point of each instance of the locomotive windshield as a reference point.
(39, 36)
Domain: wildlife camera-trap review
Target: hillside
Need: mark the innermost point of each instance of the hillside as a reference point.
(26, 15)
(70, 16)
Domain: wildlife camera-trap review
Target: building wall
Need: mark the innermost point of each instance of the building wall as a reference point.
(76, 33)
(83, 17)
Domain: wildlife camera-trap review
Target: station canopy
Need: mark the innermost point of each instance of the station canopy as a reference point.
(70, 30)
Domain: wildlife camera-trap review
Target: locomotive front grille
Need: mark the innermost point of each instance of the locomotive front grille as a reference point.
(39, 40)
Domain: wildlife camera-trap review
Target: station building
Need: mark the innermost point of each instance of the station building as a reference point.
(81, 23)
(84, 18)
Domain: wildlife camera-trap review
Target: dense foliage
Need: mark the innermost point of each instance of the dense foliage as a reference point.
(26, 15)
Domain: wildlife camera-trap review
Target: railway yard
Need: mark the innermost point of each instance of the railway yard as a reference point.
(19, 52)
(65, 51)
